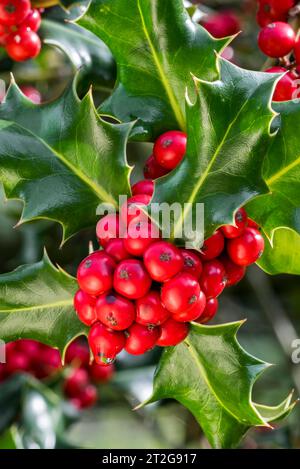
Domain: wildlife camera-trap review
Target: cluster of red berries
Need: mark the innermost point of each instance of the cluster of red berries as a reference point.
(221, 24)
(277, 39)
(19, 24)
(42, 361)
(139, 290)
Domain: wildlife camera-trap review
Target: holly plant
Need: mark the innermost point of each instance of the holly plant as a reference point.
(219, 140)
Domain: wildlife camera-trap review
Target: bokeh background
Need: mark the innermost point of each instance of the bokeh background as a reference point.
(270, 304)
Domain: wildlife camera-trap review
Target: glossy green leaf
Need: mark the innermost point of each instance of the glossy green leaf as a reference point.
(283, 255)
(36, 302)
(61, 159)
(228, 133)
(279, 211)
(212, 375)
(83, 49)
(157, 47)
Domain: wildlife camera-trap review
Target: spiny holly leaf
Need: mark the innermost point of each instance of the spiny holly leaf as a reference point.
(83, 48)
(280, 209)
(61, 159)
(36, 302)
(157, 47)
(283, 255)
(211, 375)
(228, 132)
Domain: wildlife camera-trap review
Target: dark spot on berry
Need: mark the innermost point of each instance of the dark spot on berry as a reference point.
(10, 8)
(88, 264)
(193, 299)
(110, 299)
(124, 274)
(111, 319)
(189, 262)
(165, 257)
(167, 143)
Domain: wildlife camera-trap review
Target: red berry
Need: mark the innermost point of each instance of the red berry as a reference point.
(234, 272)
(170, 148)
(230, 231)
(134, 208)
(194, 312)
(150, 311)
(87, 397)
(31, 348)
(32, 94)
(32, 20)
(246, 249)
(153, 170)
(141, 234)
(76, 382)
(108, 228)
(131, 279)
(95, 273)
(213, 278)
(47, 363)
(146, 186)
(141, 339)
(212, 246)
(221, 24)
(114, 311)
(101, 374)
(23, 45)
(210, 311)
(172, 333)
(285, 88)
(18, 362)
(297, 51)
(13, 12)
(163, 260)
(78, 352)
(4, 33)
(180, 293)
(253, 224)
(105, 343)
(84, 305)
(192, 262)
(276, 39)
(115, 248)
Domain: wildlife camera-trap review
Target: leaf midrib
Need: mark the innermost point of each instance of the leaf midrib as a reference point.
(205, 377)
(38, 307)
(173, 102)
(283, 171)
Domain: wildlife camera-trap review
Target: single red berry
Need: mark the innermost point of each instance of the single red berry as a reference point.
(234, 272)
(213, 278)
(23, 45)
(13, 12)
(180, 293)
(140, 235)
(210, 311)
(153, 170)
(5, 31)
(33, 20)
(192, 262)
(18, 362)
(221, 24)
(131, 279)
(172, 333)
(76, 382)
(101, 374)
(78, 353)
(105, 343)
(253, 224)
(150, 311)
(163, 260)
(193, 313)
(95, 273)
(146, 186)
(212, 246)
(141, 339)
(32, 94)
(285, 88)
(108, 228)
(31, 348)
(114, 311)
(297, 51)
(276, 39)
(231, 231)
(115, 248)
(246, 249)
(278, 5)
(87, 397)
(84, 305)
(133, 209)
(170, 148)
(47, 363)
